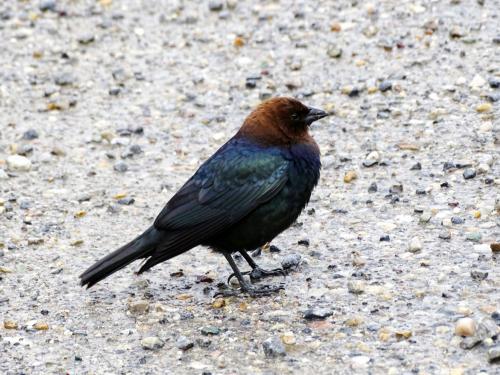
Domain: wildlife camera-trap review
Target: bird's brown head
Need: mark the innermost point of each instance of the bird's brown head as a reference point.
(280, 121)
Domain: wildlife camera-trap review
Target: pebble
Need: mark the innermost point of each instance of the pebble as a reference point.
(483, 332)
(86, 38)
(215, 5)
(350, 91)
(396, 189)
(385, 86)
(473, 236)
(416, 167)
(415, 245)
(425, 217)
(291, 261)
(494, 82)
(456, 32)
(41, 326)
(477, 82)
(350, 176)
(317, 313)
(18, 163)
(138, 307)
(445, 235)
(46, 5)
(288, 338)
(273, 347)
(120, 166)
(210, 331)
(478, 275)
(373, 187)
(360, 361)
(30, 134)
(3, 175)
(64, 79)
(484, 107)
(371, 159)
(469, 173)
(184, 343)
(457, 220)
(495, 247)
(494, 353)
(126, 201)
(465, 327)
(334, 51)
(131, 151)
(9, 324)
(356, 286)
(152, 343)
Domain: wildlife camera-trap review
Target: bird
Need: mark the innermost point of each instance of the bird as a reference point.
(250, 190)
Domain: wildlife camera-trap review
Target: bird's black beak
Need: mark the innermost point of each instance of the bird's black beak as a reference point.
(314, 115)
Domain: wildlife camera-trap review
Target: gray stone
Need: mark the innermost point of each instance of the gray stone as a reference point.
(469, 173)
(184, 343)
(46, 5)
(64, 79)
(445, 234)
(215, 5)
(210, 331)
(120, 167)
(317, 313)
(273, 347)
(385, 86)
(479, 274)
(290, 261)
(30, 134)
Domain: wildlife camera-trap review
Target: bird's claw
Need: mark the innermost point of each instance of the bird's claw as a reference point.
(263, 291)
(258, 273)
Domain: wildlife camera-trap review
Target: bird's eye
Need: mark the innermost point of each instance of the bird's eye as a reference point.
(294, 116)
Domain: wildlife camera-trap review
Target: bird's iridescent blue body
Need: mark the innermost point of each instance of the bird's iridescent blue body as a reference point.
(299, 167)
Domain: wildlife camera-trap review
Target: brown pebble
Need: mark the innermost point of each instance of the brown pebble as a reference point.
(41, 326)
(9, 324)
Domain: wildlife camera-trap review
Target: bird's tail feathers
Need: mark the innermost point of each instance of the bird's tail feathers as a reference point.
(141, 247)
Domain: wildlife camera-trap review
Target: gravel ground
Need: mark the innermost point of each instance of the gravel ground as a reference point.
(107, 107)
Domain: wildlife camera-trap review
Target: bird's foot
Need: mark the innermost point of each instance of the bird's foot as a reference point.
(259, 273)
(263, 291)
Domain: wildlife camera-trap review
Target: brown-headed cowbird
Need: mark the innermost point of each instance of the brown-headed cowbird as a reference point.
(253, 188)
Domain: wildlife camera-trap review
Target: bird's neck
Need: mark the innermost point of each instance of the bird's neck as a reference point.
(265, 132)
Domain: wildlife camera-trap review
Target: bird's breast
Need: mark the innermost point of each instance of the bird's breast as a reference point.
(274, 216)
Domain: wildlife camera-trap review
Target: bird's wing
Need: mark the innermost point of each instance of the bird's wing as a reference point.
(225, 189)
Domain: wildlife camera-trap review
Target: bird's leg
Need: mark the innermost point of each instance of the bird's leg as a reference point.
(265, 290)
(258, 273)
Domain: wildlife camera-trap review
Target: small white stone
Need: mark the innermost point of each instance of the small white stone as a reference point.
(447, 222)
(360, 361)
(415, 245)
(483, 168)
(477, 81)
(152, 343)
(465, 327)
(3, 175)
(18, 163)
